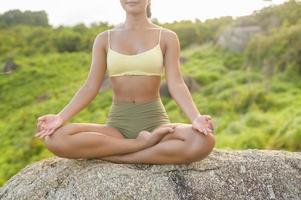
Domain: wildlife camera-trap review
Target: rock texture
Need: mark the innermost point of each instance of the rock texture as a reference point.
(224, 174)
(236, 38)
(9, 66)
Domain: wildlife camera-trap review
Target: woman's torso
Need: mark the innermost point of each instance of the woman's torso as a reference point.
(121, 45)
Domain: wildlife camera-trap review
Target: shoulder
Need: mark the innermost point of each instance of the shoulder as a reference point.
(170, 37)
(101, 38)
(168, 32)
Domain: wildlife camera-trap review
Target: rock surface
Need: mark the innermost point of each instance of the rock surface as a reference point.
(236, 38)
(224, 174)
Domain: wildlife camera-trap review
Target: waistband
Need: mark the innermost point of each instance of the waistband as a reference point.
(158, 99)
(126, 109)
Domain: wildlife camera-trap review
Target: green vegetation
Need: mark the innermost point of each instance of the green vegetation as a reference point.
(253, 96)
(14, 17)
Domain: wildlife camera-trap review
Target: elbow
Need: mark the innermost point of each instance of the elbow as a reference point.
(174, 89)
(171, 92)
(90, 90)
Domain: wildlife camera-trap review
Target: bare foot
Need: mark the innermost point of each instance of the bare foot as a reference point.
(152, 138)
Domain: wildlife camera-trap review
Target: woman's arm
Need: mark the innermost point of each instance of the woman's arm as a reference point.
(176, 85)
(94, 80)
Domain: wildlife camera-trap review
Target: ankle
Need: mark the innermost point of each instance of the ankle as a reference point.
(142, 138)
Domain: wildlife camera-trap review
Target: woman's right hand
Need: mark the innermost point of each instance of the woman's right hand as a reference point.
(47, 124)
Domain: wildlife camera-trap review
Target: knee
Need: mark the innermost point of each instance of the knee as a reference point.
(210, 142)
(54, 143)
(201, 147)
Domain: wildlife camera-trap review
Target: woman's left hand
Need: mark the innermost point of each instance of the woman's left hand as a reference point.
(203, 124)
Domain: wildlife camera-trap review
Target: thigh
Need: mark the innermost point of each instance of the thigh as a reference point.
(105, 129)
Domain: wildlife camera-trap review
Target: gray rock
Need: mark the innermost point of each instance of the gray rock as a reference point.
(236, 38)
(224, 174)
(9, 66)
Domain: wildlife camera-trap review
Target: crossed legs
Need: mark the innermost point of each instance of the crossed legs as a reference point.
(81, 140)
(84, 140)
(185, 145)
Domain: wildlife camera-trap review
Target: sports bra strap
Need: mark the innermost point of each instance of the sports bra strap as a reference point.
(110, 31)
(160, 34)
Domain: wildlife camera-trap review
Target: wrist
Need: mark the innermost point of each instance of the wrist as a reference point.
(62, 118)
(199, 115)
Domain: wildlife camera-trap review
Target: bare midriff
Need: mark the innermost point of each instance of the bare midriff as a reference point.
(135, 88)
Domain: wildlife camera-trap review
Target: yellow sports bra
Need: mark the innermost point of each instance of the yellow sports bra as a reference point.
(149, 62)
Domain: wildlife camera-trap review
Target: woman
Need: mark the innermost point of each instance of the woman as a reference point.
(138, 130)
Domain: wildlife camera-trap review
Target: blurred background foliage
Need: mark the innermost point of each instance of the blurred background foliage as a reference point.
(248, 73)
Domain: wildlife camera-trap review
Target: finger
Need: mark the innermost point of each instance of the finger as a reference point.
(42, 136)
(210, 125)
(51, 131)
(208, 116)
(209, 130)
(202, 130)
(45, 126)
(209, 119)
(41, 118)
(199, 129)
(40, 133)
(45, 133)
(39, 125)
(48, 133)
(39, 122)
(40, 130)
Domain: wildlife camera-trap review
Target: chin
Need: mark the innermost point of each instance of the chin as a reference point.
(133, 12)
